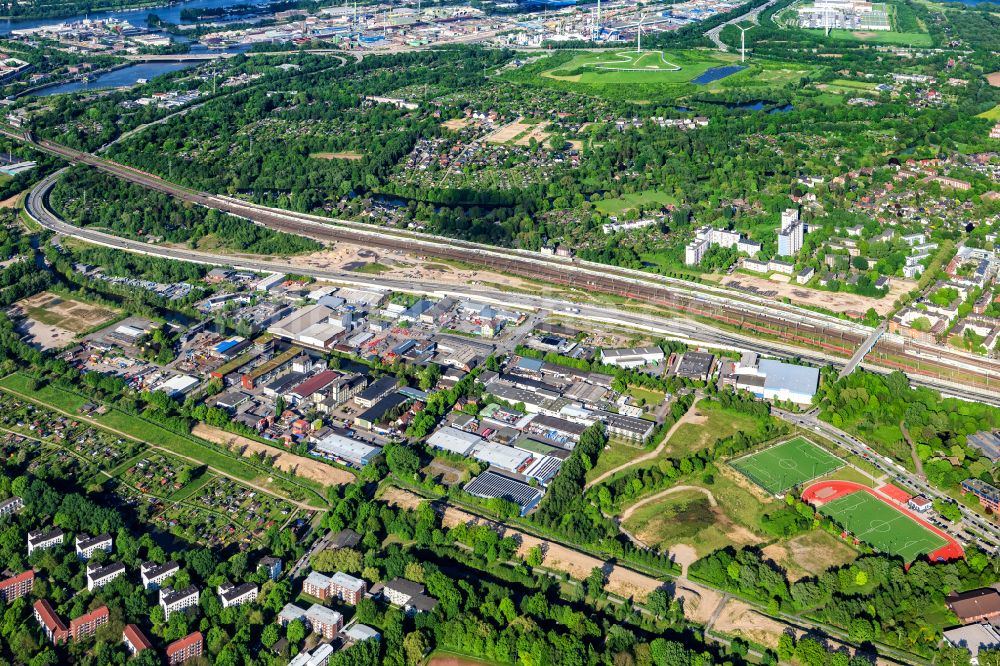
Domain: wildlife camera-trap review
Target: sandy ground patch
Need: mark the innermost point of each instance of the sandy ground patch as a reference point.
(336, 256)
(43, 336)
(455, 124)
(537, 133)
(307, 468)
(779, 278)
(838, 302)
(685, 556)
(73, 315)
(740, 619)
(342, 155)
(994, 79)
(576, 145)
(508, 132)
(11, 202)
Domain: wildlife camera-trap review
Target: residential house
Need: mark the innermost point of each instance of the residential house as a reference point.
(135, 641)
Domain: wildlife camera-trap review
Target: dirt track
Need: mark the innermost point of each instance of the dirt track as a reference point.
(690, 416)
(307, 468)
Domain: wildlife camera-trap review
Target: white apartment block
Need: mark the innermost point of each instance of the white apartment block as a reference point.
(706, 237)
(43, 540)
(154, 574)
(98, 576)
(791, 233)
(86, 545)
(177, 600)
(235, 595)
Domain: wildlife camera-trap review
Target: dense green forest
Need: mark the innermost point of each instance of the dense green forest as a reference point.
(91, 198)
(878, 407)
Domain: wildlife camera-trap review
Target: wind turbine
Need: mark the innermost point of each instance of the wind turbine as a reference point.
(638, 42)
(743, 41)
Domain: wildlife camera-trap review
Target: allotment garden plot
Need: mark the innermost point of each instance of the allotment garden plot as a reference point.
(785, 465)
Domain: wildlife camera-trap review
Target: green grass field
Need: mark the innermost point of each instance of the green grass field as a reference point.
(646, 199)
(881, 37)
(631, 67)
(786, 465)
(992, 114)
(882, 526)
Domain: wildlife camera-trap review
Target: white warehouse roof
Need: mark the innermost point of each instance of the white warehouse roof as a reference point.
(454, 440)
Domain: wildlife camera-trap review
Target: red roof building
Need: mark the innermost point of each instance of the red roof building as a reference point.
(186, 648)
(52, 626)
(134, 640)
(87, 624)
(316, 384)
(17, 586)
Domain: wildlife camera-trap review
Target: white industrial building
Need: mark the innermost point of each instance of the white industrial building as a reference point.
(347, 450)
(632, 358)
(774, 380)
(317, 326)
(454, 440)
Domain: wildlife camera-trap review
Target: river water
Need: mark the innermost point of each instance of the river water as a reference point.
(136, 17)
(126, 76)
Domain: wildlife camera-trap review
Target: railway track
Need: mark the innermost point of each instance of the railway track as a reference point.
(744, 311)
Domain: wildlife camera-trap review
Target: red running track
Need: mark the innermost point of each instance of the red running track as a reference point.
(836, 489)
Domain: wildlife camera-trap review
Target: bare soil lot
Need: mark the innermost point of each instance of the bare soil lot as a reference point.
(343, 155)
(994, 79)
(538, 134)
(53, 321)
(337, 256)
(72, 315)
(836, 301)
(304, 466)
(810, 554)
(455, 124)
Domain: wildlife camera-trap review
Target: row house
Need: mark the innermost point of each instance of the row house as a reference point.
(135, 641)
(186, 648)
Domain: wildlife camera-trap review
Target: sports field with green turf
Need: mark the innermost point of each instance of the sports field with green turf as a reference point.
(882, 526)
(788, 464)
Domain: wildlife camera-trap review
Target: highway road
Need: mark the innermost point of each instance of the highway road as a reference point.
(751, 15)
(973, 527)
